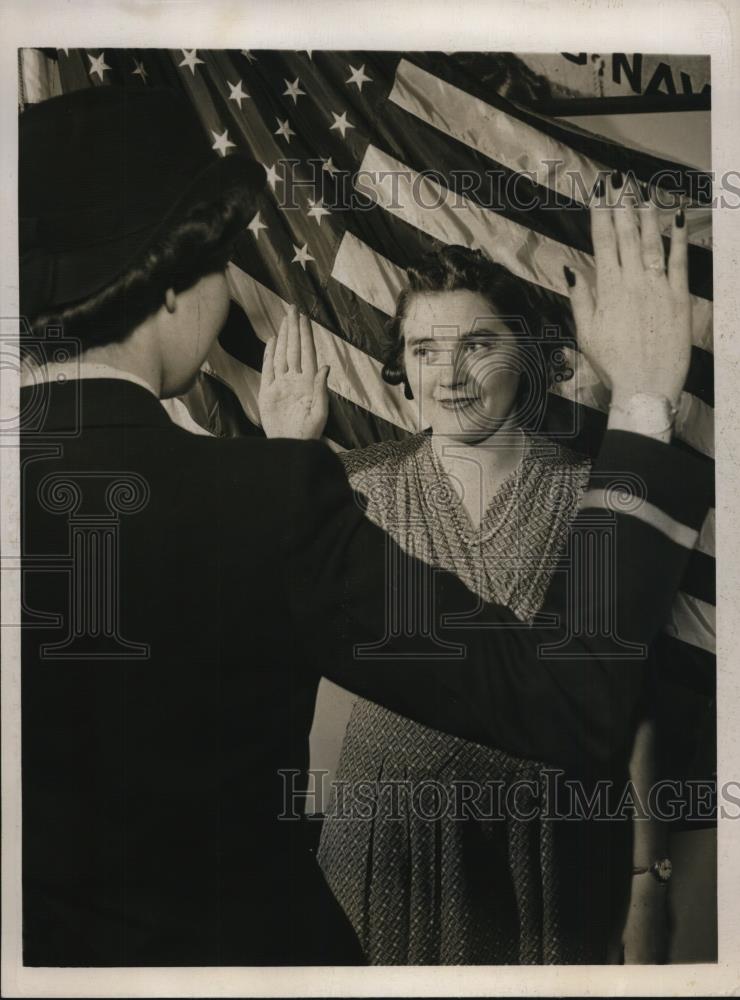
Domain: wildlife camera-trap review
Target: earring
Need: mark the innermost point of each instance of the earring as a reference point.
(407, 389)
(558, 369)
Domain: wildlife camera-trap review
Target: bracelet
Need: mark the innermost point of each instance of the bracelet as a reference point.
(660, 870)
(649, 410)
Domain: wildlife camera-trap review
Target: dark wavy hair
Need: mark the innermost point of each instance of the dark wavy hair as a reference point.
(199, 243)
(458, 268)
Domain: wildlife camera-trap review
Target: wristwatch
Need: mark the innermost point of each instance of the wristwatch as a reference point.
(660, 870)
(648, 412)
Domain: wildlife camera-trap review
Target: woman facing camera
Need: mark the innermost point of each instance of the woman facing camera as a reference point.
(484, 878)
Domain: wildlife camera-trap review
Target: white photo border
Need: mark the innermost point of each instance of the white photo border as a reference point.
(678, 26)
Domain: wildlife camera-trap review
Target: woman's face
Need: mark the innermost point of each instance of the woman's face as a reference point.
(463, 364)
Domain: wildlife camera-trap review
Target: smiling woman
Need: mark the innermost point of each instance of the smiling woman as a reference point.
(480, 493)
(428, 843)
(475, 328)
(465, 343)
(461, 365)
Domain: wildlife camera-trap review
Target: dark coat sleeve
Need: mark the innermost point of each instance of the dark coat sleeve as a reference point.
(564, 690)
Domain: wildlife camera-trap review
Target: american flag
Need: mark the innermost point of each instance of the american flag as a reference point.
(369, 158)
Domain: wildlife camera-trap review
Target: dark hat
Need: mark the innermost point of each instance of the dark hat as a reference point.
(104, 172)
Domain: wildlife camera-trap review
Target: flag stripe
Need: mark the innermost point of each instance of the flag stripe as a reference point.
(700, 577)
(354, 427)
(451, 218)
(707, 534)
(693, 621)
(684, 665)
(470, 72)
(401, 243)
(487, 129)
(700, 377)
(517, 197)
(508, 142)
(369, 274)
(356, 320)
(695, 424)
(243, 380)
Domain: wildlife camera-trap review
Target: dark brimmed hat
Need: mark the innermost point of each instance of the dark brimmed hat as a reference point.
(103, 173)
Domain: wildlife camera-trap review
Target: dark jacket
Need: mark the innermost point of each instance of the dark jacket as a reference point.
(182, 596)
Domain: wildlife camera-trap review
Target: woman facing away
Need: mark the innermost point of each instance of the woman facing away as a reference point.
(484, 495)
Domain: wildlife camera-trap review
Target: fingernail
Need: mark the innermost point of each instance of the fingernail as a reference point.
(617, 179)
(569, 276)
(680, 219)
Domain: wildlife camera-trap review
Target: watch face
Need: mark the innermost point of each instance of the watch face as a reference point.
(663, 869)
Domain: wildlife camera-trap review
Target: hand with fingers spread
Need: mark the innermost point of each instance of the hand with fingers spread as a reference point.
(293, 397)
(636, 329)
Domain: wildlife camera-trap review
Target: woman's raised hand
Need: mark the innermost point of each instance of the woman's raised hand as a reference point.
(636, 330)
(293, 397)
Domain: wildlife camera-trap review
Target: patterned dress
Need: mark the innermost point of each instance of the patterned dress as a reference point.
(422, 887)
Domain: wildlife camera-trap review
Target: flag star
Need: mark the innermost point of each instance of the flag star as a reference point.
(191, 59)
(317, 210)
(340, 123)
(97, 64)
(255, 225)
(329, 167)
(284, 129)
(237, 94)
(139, 71)
(272, 175)
(247, 53)
(222, 142)
(302, 256)
(359, 76)
(294, 90)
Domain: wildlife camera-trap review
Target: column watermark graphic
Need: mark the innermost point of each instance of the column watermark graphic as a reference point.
(93, 561)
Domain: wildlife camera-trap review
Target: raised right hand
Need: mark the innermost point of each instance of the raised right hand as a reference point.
(636, 331)
(293, 397)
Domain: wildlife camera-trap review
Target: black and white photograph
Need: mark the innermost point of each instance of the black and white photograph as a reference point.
(360, 509)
